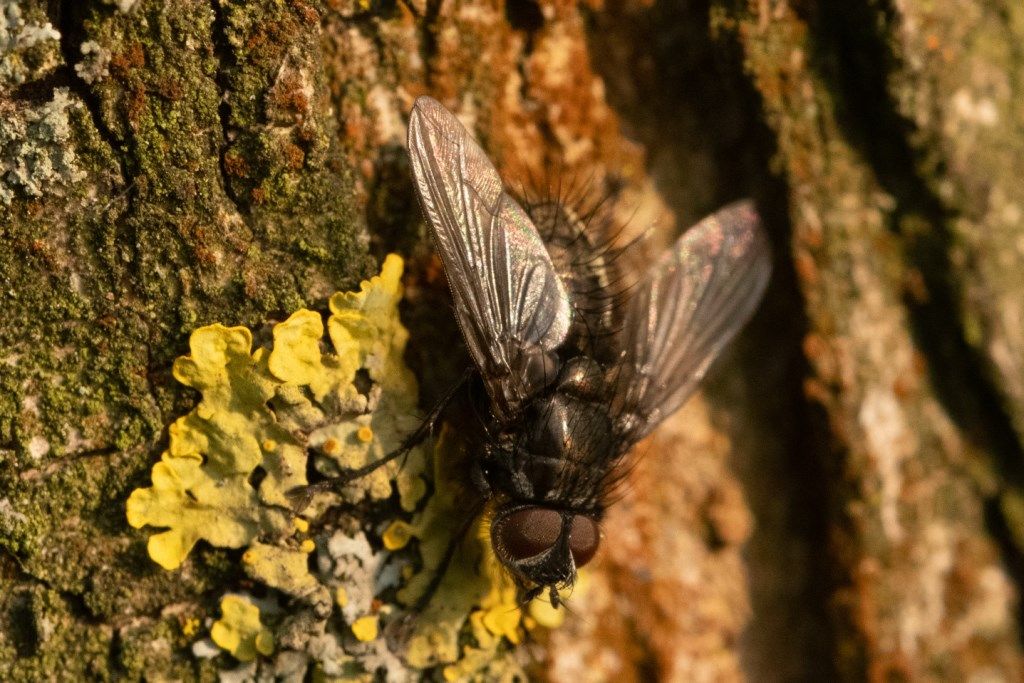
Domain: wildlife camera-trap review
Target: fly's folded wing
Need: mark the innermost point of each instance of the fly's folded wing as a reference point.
(689, 306)
(513, 309)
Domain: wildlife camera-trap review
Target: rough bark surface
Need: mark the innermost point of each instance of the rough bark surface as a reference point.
(846, 498)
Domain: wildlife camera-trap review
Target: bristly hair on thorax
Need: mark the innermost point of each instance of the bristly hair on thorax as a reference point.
(587, 245)
(584, 238)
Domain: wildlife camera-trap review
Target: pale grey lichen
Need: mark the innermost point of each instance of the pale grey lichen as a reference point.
(29, 46)
(124, 6)
(95, 62)
(13, 523)
(37, 156)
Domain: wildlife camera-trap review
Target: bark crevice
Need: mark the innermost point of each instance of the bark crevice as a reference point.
(70, 22)
(224, 57)
(859, 68)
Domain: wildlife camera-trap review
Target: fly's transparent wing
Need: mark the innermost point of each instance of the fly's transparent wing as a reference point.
(691, 304)
(512, 307)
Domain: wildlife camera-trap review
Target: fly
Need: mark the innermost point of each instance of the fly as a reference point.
(568, 374)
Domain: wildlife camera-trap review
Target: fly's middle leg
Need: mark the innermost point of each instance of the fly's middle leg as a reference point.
(449, 554)
(301, 496)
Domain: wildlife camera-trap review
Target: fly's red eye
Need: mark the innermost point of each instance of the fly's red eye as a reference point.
(528, 532)
(584, 538)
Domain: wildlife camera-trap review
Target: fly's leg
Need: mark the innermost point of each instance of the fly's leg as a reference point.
(301, 496)
(449, 553)
(479, 480)
(537, 591)
(528, 597)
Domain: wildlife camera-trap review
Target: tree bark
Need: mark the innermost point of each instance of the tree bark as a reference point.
(844, 499)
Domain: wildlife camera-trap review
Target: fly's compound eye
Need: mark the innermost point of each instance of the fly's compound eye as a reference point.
(528, 532)
(584, 538)
(531, 531)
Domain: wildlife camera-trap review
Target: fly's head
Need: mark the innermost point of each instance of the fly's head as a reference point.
(544, 547)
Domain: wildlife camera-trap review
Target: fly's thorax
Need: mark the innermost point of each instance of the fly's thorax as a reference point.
(565, 442)
(583, 378)
(562, 446)
(566, 428)
(571, 424)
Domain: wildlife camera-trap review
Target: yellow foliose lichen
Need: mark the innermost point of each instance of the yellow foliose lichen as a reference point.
(286, 569)
(239, 630)
(343, 397)
(200, 486)
(363, 327)
(255, 406)
(190, 626)
(366, 628)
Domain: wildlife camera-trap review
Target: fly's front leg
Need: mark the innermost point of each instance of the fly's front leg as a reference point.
(301, 496)
(449, 553)
(479, 479)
